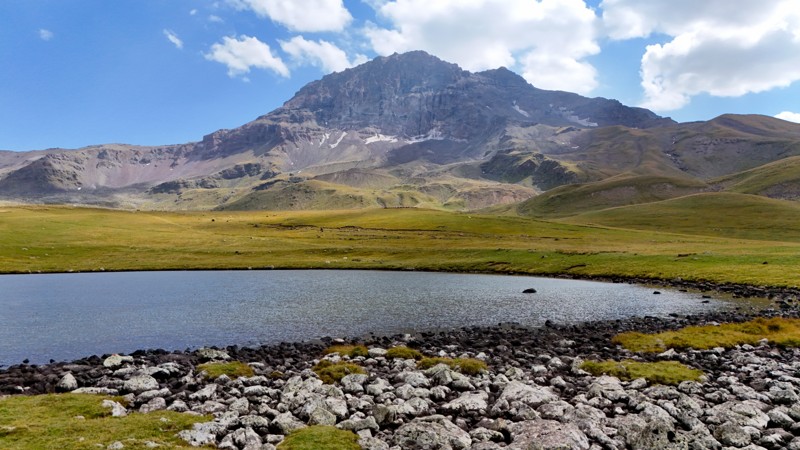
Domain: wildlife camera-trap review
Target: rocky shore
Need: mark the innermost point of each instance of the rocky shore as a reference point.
(533, 395)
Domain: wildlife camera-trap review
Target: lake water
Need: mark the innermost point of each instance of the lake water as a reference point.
(70, 316)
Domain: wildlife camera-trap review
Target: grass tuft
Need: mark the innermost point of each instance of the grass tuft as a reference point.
(403, 352)
(467, 366)
(662, 372)
(233, 369)
(330, 372)
(779, 331)
(52, 421)
(320, 437)
(347, 350)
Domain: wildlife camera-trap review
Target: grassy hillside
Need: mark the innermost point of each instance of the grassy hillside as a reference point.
(780, 179)
(731, 215)
(75, 239)
(626, 189)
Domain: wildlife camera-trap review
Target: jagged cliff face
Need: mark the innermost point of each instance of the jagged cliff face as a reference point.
(403, 130)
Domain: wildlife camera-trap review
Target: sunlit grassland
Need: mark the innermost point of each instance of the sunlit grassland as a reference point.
(78, 421)
(62, 239)
(779, 331)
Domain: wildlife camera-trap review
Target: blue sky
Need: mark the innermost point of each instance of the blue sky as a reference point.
(149, 72)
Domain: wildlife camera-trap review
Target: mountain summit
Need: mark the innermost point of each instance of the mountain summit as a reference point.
(403, 130)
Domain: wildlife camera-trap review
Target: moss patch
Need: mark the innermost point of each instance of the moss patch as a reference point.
(347, 350)
(53, 421)
(403, 352)
(468, 366)
(319, 437)
(330, 372)
(779, 331)
(233, 369)
(662, 372)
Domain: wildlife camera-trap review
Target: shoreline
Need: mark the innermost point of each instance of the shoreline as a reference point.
(533, 385)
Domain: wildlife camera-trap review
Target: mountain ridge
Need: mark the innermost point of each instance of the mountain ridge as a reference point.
(409, 130)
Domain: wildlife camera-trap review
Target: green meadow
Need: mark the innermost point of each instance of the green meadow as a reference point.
(695, 238)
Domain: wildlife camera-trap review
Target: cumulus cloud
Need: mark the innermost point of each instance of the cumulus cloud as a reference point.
(322, 54)
(789, 116)
(547, 40)
(215, 19)
(243, 53)
(724, 48)
(301, 15)
(45, 35)
(172, 37)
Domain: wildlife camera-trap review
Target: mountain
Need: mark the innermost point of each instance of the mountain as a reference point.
(412, 130)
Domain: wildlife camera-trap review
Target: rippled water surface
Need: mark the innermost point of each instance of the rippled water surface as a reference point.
(69, 316)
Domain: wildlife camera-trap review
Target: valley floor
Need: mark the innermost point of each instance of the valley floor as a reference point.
(762, 252)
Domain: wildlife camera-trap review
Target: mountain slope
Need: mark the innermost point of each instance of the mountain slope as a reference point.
(410, 129)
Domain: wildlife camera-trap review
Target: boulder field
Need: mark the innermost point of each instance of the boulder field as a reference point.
(534, 394)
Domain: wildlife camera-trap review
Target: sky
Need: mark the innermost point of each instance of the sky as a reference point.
(153, 72)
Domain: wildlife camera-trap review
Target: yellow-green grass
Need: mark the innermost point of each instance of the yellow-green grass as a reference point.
(347, 350)
(330, 372)
(778, 175)
(233, 369)
(54, 421)
(732, 215)
(403, 352)
(62, 239)
(628, 189)
(320, 437)
(661, 372)
(779, 331)
(469, 366)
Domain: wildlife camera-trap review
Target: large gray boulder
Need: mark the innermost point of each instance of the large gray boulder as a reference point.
(547, 435)
(67, 383)
(114, 361)
(431, 433)
(140, 383)
(473, 401)
(748, 413)
(286, 423)
(517, 391)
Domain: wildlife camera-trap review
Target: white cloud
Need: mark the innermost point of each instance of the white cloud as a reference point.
(215, 19)
(547, 40)
(322, 54)
(192, 12)
(789, 116)
(300, 15)
(244, 53)
(45, 35)
(172, 37)
(725, 48)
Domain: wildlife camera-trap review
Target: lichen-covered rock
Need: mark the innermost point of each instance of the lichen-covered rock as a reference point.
(431, 433)
(516, 391)
(67, 383)
(473, 401)
(114, 361)
(286, 423)
(140, 383)
(547, 435)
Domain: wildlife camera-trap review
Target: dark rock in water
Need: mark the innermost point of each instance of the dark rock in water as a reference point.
(529, 291)
(656, 293)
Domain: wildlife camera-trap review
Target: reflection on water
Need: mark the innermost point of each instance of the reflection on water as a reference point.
(69, 316)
